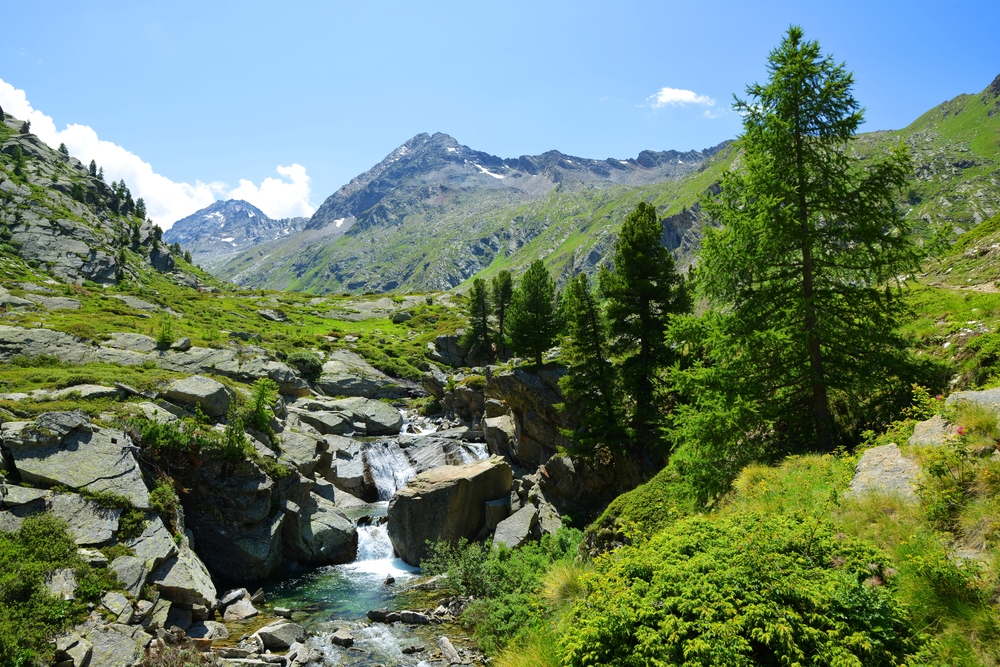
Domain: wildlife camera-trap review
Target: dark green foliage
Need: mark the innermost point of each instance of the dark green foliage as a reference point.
(164, 501)
(531, 318)
(29, 616)
(8, 246)
(591, 384)
(18, 161)
(501, 291)
(63, 150)
(37, 361)
(93, 169)
(258, 414)
(307, 363)
(643, 293)
(807, 258)
(742, 590)
(140, 209)
(26, 127)
(187, 256)
(504, 582)
(78, 192)
(478, 337)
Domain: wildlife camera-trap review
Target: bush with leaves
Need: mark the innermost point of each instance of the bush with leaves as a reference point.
(746, 589)
(504, 582)
(258, 414)
(307, 363)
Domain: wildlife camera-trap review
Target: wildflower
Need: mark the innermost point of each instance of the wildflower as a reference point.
(961, 430)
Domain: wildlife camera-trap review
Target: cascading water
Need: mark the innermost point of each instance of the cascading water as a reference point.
(388, 466)
(374, 543)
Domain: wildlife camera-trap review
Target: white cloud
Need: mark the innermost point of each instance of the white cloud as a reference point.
(678, 97)
(278, 198)
(713, 114)
(166, 201)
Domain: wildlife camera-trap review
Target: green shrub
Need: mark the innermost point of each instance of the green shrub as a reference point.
(740, 590)
(258, 412)
(476, 382)
(165, 333)
(307, 363)
(504, 582)
(29, 615)
(37, 361)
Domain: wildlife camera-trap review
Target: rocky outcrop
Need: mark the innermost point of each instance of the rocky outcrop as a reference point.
(531, 397)
(65, 449)
(185, 580)
(448, 350)
(446, 503)
(348, 374)
(348, 416)
(243, 365)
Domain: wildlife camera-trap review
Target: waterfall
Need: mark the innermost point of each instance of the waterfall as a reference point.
(388, 466)
(373, 543)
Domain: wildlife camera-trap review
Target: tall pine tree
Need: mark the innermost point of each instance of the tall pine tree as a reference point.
(643, 293)
(478, 337)
(502, 288)
(591, 383)
(811, 244)
(531, 319)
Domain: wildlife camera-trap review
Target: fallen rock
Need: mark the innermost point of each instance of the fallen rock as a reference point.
(211, 395)
(280, 635)
(155, 544)
(283, 612)
(518, 528)
(185, 579)
(931, 433)
(379, 418)
(239, 610)
(989, 398)
(62, 583)
(112, 648)
(320, 534)
(414, 618)
(885, 470)
(446, 503)
(342, 637)
(448, 651)
(115, 602)
(131, 573)
(178, 617)
(73, 650)
(273, 314)
(208, 630)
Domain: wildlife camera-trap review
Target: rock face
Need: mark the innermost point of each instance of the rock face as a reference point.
(280, 635)
(89, 523)
(185, 580)
(885, 470)
(64, 448)
(531, 397)
(445, 503)
(320, 534)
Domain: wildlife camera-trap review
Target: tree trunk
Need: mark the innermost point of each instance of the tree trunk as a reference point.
(538, 361)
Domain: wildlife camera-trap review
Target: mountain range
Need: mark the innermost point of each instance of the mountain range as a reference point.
(434, 212)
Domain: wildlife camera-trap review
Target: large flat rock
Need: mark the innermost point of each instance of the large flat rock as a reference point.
(64, 448)
(446, 503)
(884, 470)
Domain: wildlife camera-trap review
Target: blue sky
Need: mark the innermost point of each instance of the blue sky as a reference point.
(214, 96)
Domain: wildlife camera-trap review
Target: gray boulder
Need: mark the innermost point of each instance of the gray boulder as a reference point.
(131, 573)
(112, 648)
(208, 630)
(884, 470)
(184, 579)
(348, 374)
(63, 448)
(517, 529)
(280, 635)
(273, 314)
(89, 523)
(73, 650)
(115, 602)
(239, 610)
(62, 583)
(379, 418)
(931, 433)
(446, 503)
(211, 395)
(447, 350)
(989, 398)
(303, 450)
(131, 341)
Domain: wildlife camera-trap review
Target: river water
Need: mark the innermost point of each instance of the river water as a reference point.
(328, 598)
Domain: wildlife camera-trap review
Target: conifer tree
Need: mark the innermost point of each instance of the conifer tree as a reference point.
(187, 256)
(63, 150)
(531, 320)
(93, 168)
(811, 244)
(140, 209)
(502, 287)
(591, 384)
(643, 293)
(478, 337)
